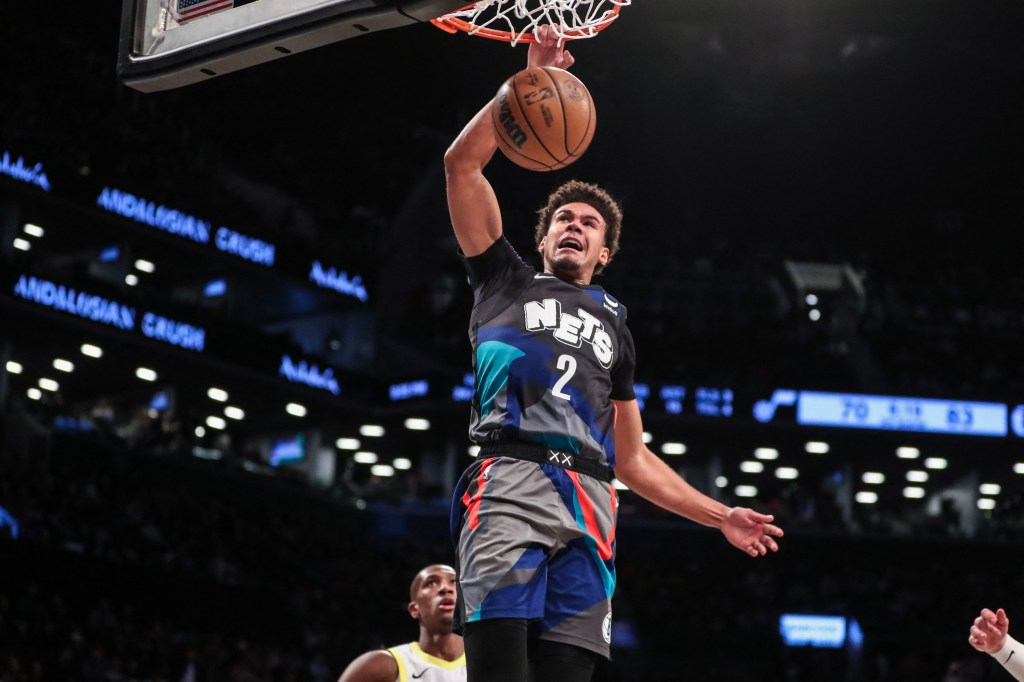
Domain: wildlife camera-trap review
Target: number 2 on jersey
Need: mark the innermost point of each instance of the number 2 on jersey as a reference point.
(567, 364)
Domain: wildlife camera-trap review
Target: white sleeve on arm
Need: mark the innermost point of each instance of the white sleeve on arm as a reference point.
(1011, 657)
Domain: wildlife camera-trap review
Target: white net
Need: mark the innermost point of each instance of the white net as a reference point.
(515, 20)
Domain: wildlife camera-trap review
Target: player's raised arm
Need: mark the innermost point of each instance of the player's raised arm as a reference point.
(472, 204)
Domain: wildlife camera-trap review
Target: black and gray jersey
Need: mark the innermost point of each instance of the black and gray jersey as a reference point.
(549, 357)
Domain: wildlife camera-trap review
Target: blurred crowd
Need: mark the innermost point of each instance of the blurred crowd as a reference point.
(130, 566)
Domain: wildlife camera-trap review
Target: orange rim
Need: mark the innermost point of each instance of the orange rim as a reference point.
(450, 24)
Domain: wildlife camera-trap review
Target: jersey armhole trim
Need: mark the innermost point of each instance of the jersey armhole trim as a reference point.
(403, 672)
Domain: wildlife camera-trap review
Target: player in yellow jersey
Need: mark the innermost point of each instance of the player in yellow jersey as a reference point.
(438, 655)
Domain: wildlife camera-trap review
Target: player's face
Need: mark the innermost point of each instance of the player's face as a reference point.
(433, 598)
(574, 245)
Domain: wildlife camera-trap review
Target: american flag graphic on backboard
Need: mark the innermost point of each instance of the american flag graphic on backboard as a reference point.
(187, 10)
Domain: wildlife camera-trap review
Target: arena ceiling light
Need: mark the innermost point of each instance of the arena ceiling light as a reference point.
(907, 452)
(745, 491)
(618, 485)
(402, 463)
(131, 279)
(215, 422)
(33, 230)
(990, 489)
(218, 394)
(21, 244)
(417, 424)
(787, 473)
(474, 450)
(648, 437)
(347, 444)
(382, 470)
(917, 476)
(200, 432)
(371, 430)
(295, 409)
(751, 467)
(49, 384)
(89, 350)
(146, 266)
(766, 454)
(146, 374)
(873, 477)
(816, 447)
(62, 365)
(913, 492)
(986, 504)
(235, 413)
(1018, 468)
(14, 367)
(935, 463)
(866, 497)
(34, 394)
(365, 457)
(673, 448)
(721, 481)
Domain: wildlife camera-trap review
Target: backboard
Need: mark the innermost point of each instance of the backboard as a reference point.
(167, 44)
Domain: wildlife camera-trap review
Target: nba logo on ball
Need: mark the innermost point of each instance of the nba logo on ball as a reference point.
(549, 136)
(538, 96)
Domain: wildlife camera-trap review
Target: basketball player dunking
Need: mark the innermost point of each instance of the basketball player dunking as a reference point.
(555, 415)
(438, 654)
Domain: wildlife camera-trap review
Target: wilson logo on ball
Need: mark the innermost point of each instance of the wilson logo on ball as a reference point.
(515, 134)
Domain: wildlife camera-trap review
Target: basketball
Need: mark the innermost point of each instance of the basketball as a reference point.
(544, 118)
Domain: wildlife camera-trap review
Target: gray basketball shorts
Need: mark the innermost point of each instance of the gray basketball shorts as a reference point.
(537, 541)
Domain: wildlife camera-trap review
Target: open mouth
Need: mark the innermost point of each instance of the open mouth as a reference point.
(571, 243)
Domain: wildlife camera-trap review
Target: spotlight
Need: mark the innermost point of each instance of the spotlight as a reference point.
(92, 351)
(218, 394)
(146, 374)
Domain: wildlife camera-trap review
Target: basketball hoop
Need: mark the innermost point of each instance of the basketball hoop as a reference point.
(514, 21)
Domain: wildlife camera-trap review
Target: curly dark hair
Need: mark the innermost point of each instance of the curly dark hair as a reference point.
(592, 195)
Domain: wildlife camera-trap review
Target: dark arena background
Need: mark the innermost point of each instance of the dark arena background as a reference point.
(233, 339)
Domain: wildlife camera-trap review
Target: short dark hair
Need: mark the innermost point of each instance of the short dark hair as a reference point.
(592, 195)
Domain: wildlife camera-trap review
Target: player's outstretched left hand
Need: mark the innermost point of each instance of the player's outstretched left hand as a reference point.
(546, 50)
(751, 531)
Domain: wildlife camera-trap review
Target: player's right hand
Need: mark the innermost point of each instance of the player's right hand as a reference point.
(988, 633)
(546, 51)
